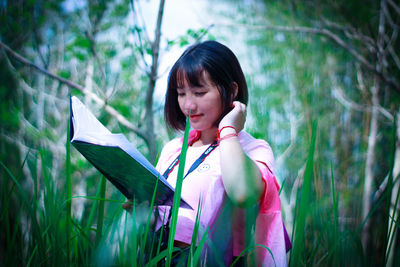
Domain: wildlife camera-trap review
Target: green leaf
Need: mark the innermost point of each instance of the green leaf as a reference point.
(80, 56)
(64, 74)
(110, 53)
(82, 42)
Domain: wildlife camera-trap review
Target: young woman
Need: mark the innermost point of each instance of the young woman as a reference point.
(227, 170)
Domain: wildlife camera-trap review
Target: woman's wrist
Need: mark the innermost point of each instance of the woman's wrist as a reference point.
(226, 132)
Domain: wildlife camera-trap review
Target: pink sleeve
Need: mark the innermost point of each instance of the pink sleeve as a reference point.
(261, 153)
(269, 229)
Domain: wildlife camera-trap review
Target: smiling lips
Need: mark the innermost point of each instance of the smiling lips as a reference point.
(195, 116)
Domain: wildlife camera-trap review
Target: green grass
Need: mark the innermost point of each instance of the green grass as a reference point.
(69, 193)
(178, 189)
(303, 207)
(39, 228)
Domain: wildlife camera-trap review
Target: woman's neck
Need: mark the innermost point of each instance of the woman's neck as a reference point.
(206, 137)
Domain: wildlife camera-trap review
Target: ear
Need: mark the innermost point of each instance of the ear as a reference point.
(235, 90)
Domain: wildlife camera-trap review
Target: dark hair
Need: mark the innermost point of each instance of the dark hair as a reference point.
(223, 69)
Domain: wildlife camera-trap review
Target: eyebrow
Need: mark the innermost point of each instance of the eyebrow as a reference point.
(201, 87)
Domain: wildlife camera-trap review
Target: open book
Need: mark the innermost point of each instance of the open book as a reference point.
(117, 159)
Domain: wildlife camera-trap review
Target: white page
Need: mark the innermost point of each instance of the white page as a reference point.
(85, 122)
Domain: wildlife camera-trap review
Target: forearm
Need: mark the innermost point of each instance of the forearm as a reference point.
(240, 175)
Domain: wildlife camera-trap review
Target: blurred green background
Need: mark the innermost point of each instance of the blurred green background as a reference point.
(331, 66)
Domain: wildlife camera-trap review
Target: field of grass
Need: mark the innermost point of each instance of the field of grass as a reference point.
(39, 229)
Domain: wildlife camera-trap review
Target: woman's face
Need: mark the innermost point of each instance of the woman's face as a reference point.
(204, 102)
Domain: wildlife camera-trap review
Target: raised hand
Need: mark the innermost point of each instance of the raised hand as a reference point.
(236, 117)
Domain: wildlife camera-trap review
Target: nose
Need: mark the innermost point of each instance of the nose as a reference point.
(190, 104)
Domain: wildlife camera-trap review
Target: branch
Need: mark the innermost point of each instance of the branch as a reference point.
(91, 38)
(121, 119)
(395, 7)
(29, 90)
(381, 55)
(325, 32)
(294, 126)
(340, 96)
(389, 18)
(294, 122)
(394, 56)
(381, 189)
(156, 43)
(140, 17)
(352, 33)
(136, 13)
(360, 79)
(36, 45)
(35, 132)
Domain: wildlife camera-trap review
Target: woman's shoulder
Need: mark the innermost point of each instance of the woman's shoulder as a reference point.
(172, 145)
(169, 150)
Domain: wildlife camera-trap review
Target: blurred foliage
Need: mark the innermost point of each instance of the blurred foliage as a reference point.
(293, 79)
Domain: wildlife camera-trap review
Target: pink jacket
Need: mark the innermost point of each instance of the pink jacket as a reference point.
(227, 225)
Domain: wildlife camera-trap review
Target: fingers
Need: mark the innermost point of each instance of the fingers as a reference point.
(240, 106)
(236, 117)
(127, 206)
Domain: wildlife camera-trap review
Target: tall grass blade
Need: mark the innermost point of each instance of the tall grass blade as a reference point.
(13, 240)
(250, 249)
(177, 195)
(92, 214)
(283, 184)
(304, 204)
(217, 258)
(49, 215)
(36, 232)
(148, 223)
(134, 239)
(125, 236)
(161, 234)
(370, 213)
(193, 243)
(98, 198)
(396, 222)
(100, 215)
(199, 248)
(32, 256)
(82, 232)
(12, 245)
(335, 219)
(390, 223)
(69, 194)
(393, 222)
(93, 208)
(160, 256)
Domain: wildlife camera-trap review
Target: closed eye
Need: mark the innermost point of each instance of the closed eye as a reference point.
(199, 93)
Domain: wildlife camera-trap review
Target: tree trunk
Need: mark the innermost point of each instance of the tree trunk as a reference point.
(89, 80)
(396, 185)
(151, 86)
(373, 132)
(369, 174)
